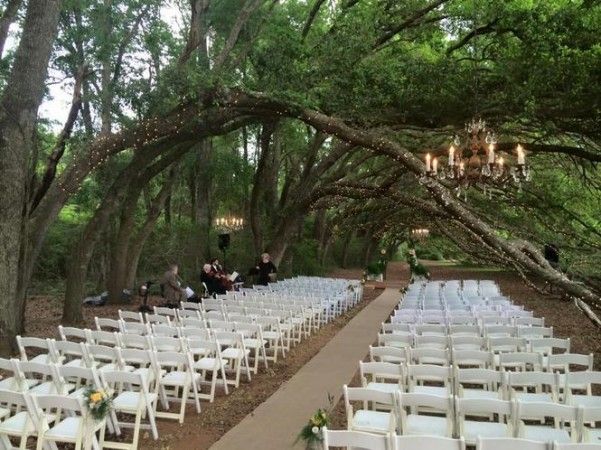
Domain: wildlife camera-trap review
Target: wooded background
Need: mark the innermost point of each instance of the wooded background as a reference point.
(310, 119)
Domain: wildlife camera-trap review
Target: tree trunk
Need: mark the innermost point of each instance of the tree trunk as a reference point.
(18, 114)
(258, 185)
(348, 239)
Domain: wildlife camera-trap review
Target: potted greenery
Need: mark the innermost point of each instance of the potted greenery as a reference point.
(375, 271)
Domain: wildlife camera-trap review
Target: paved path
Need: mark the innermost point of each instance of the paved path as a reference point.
(275, 423)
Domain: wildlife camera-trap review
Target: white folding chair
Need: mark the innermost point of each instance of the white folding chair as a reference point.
(473, 358)
(470, 430)
(414, 423)
(432, 341)
(468, 343)
(427, 355)
(519, 386)
(572, 446)
(521, 361)
(135, 400)
(582, 381)
(131, 316)
(429, 379)
(386, 377)
(426, 442)
(74, 334)
(48, 381)
(399, 340)
(354, 439)
(177, 374)
(18, 419)
(589, 418)
(510, 443)
(369, 419)
(45, 352)
(104, 324)
(209, 360)
(235, 352)
(489, 380)
(74, 428)
(254, 342)
(560, 414)
(13, 379)
(388, 354)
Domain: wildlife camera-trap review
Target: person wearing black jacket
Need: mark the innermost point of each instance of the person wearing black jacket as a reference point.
(267, 270)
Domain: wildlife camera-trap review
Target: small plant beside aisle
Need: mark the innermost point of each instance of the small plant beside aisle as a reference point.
(98, 403)
(311, 433)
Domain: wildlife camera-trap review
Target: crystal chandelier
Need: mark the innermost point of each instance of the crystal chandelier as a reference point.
(475, 161)
(229, 224)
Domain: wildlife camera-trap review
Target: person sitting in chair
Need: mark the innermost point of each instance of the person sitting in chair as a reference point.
(209, 278)
(171, 286)
(267, 270)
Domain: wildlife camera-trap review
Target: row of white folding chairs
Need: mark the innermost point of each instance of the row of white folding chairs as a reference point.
(530, 360)
(247, 339)
(526, 328)
(495, 344)
(411, 413)
(224, 350)
(574, 388)
(277, 336)
(370, 441)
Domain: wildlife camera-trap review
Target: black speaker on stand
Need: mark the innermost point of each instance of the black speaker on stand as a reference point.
(223, 242)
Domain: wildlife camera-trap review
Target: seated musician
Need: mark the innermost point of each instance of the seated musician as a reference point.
(221, 274)
(211, 279)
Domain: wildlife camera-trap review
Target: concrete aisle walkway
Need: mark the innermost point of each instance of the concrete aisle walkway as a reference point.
(275, 423)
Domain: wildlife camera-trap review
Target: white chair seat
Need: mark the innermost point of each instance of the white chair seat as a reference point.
(480, 393)
(271, 335)
(474, 429)
(111, 367)
(594, 436)
(384, 387)
(148, 375)
(128, 401)
(546, 434)
(374, 421)
(42, 359)
(17, 424)
(10, 383)
(66, 429)
(177, 378)
(418, 424)
(75, 363)
(4, 412)
(586, 400)
(432, 390)
(254, 343)
(49, 388)
(208, 363)
(234, 353)
(533, 397)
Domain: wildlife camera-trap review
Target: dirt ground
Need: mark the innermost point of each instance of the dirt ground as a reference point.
(201, 431)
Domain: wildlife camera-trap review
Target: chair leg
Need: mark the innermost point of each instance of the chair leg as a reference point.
(153, 425)
(225, 388)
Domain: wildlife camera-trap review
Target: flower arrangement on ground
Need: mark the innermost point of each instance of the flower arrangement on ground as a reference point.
(311, 433)
(98, 403)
